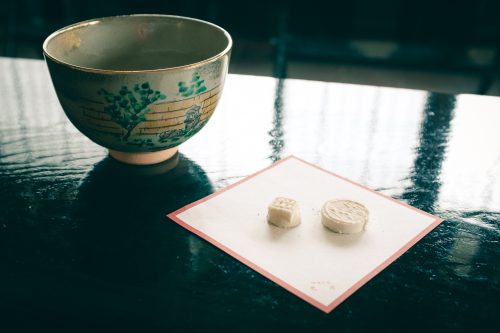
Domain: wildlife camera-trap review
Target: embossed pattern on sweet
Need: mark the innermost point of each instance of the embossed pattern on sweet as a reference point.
(344, 216)
(284, 213)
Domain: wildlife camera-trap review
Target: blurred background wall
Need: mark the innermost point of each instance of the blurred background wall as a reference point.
(445, 46)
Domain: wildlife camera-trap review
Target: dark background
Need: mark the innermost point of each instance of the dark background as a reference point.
(449, 46)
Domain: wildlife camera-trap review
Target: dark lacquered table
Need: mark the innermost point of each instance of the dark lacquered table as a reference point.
(85, 244)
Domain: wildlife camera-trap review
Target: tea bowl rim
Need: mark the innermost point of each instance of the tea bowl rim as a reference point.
(85, 23)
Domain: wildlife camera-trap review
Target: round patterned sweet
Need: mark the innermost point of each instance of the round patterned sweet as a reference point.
(344, 216)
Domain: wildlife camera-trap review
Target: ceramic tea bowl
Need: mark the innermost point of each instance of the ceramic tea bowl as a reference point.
(139, 85)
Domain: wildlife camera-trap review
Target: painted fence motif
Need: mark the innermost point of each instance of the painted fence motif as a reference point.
(164, 116)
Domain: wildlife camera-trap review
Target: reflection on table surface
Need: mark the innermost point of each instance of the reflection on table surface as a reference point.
(83, 236)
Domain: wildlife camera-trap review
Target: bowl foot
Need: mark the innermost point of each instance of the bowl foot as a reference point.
(143, 158)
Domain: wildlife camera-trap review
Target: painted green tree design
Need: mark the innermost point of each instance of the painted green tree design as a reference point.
(196, 86)
(128, 108)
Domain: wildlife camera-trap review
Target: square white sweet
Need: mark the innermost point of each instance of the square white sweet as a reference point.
(321, 267)
(283, 213)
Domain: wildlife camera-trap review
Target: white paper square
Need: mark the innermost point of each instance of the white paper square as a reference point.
(321, 267)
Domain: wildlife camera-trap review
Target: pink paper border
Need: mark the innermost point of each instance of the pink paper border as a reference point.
(346, 294)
